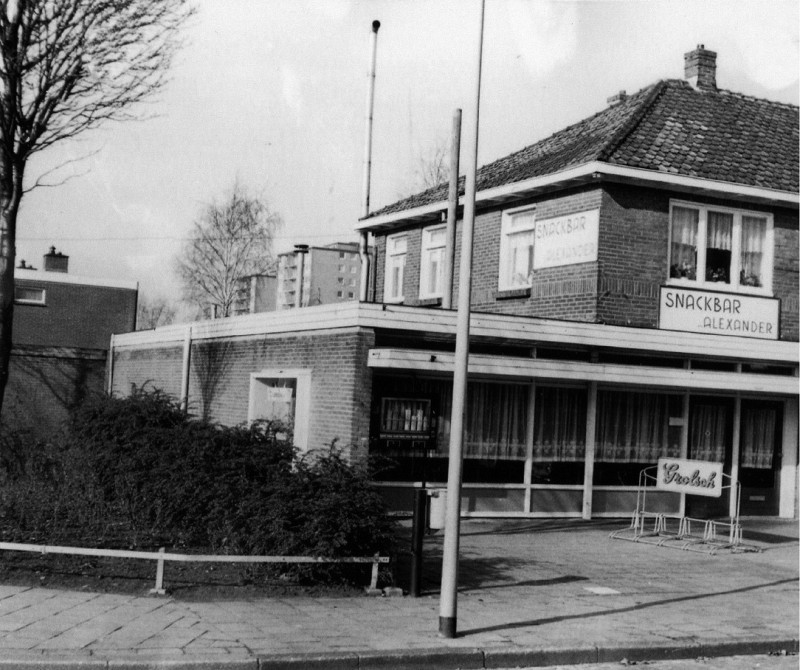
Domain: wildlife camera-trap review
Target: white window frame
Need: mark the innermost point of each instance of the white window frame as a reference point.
(429, 248)
(734, 286)
(508, 230)
(28, 301)
(396, 253)
(302, 405)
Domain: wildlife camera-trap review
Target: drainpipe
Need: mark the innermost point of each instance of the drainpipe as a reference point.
(187, 355)
(300, 251)
(363, 247)
(110, 366)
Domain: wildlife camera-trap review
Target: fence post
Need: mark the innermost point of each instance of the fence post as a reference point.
(373, 584)
(159, 588)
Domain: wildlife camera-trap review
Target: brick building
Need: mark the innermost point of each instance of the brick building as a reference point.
(634, 296)
(62, 327)
(331, 273)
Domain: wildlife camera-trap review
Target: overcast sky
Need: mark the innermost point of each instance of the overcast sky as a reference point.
(272, 93)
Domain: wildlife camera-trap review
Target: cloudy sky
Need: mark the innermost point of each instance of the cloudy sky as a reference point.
(272, 93)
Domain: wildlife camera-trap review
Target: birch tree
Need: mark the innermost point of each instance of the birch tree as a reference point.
(66, 67)
(230, 240)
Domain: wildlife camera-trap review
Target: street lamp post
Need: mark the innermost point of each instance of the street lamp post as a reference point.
(447, 605)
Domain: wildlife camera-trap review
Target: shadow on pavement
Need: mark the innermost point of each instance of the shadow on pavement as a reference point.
(632, 608)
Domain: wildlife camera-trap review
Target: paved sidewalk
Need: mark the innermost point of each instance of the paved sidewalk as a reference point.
(531, 593)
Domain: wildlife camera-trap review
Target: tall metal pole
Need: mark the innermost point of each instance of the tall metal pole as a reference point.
(452, 213)
(447, 604)
(363, 248)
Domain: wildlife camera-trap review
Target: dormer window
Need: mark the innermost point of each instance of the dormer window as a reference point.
(721, 249)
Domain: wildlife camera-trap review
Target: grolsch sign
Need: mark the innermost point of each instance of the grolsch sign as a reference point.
(699, 478)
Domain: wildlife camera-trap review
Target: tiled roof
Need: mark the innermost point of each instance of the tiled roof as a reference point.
(668, 127)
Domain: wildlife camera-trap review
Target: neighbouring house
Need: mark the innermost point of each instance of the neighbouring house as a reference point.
(256, 293)
(635, 296)
(63, 324)
(330, 273)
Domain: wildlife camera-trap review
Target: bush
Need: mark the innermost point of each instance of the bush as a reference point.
(139, 471)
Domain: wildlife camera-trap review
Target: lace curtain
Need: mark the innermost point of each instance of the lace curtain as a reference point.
(633, 427)
(758, 437)
(560, 425)
(752, 255)
(707, 433)
(684, 243)
(495, 422)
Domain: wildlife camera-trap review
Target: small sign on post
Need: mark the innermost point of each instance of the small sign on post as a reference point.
(699, 478)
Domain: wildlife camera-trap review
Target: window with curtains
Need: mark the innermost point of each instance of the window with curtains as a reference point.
(720, 248)
(758, 435)
(516, 249)
(396, 246)
(634, 427)
(431, 270)
(559, 425)
(708, 431)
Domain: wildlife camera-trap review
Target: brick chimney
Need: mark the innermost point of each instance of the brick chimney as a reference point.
(617, 98)
(700, 68)
(55, 261)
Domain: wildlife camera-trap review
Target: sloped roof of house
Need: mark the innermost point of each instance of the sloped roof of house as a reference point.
(669, 127)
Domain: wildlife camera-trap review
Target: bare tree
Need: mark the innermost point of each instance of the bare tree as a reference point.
(230, 240)
(67, 66)
(153, 312)
(434, 166)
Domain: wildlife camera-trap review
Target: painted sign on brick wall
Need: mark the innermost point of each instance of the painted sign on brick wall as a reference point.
(718, 313)
(566, 240)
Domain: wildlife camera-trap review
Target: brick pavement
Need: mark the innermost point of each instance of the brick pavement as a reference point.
(531, 593)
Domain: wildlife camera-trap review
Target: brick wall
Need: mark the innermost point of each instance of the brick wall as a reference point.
(219, 386)
(46, 382)
(74, 315)
(623, 286)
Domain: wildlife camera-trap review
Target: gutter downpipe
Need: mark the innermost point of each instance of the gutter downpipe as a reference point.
(452, 214)
(187, 356)
(363, 245)
(449, 590)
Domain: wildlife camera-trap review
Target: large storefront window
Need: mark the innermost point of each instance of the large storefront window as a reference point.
(494, 430)
(634, 430)
(720, 248)
(559, 436)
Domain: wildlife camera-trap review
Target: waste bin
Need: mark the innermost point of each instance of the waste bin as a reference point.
(437, 507)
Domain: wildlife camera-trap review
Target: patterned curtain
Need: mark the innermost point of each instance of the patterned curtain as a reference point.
(707, 433)
(632, 427)
(560, 425)
(758, 436)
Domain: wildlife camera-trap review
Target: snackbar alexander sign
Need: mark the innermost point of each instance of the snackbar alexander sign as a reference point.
(699, 478)
(718, 313)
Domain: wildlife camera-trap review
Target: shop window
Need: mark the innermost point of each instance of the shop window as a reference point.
(758, 436)
(708, 431)
(396, 246)
(718, 248)
(516, 249)
(431, 272)
(635, 427)
(282, 396)
(27, 295)
(560, 425)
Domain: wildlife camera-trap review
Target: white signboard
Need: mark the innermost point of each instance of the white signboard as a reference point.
(718, 313)
(566, 240)
(699, 478)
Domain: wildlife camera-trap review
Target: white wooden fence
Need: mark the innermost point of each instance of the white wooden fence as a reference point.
(161, 556)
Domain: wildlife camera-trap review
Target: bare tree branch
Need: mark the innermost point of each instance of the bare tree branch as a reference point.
(230, 240)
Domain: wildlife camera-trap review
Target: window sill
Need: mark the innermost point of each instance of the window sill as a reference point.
(427, 302)
(512, 293)
(719, 287)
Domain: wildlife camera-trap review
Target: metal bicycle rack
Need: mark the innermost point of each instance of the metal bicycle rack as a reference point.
(682, 532)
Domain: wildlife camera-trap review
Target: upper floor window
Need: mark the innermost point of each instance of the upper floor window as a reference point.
(396, 246)
(720, 248)
(431, 271)
(516, 249)
(29, 296)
